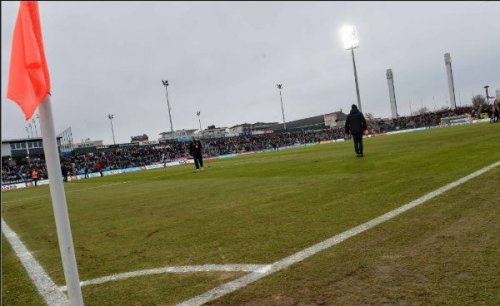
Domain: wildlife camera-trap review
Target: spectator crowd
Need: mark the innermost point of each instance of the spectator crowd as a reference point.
(15, 170)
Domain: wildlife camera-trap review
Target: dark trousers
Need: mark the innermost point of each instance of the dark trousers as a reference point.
(198, 160)
(358, 143)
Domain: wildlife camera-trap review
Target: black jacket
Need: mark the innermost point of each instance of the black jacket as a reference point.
(195, 148)
(355, 122)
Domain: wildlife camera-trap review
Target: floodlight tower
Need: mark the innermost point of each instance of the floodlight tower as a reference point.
(280, 86)
(351, 41)
(488, 97)
(110, 117)
(198, 113)
(31, 129)
(165, 83)
(392, 94)
(34, 123)
(451, 84)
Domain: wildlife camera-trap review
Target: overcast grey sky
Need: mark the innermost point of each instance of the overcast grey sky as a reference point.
(225, 59)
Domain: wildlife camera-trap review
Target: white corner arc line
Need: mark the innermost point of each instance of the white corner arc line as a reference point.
(174, 269)
(42, 281)
(301, 255)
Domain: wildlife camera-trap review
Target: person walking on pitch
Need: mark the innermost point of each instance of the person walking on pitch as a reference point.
(195, 148)
(355, 124)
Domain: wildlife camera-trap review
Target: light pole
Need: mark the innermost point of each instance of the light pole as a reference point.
(392, 94)
(27, 132)
(70, 139)
(38, 119)
(198, 114)
(34, 123)
(31, 129)
(487, 94)
(165, 83)
(110, 117)
(351, 41)
(451, 83)
(282, 110)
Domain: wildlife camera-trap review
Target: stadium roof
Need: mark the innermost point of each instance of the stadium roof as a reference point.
(256, 125)
(24, 139)
(311, 122)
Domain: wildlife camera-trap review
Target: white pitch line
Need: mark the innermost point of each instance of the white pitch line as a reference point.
(301, 255)
(175, 269)
(43, 283)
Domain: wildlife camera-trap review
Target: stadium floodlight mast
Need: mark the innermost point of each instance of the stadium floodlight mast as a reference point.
(198, 113)
(487, 94)
(34, 123)
(280, 86)
(165, 83)
(31, 129)
(350, 39)
(110, 117)
(38, 118)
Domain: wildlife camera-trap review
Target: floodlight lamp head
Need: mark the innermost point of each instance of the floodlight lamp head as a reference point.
(279, 86)
(349, 37)
(165, 83)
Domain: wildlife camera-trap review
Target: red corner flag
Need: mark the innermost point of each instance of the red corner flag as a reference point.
(29, 81)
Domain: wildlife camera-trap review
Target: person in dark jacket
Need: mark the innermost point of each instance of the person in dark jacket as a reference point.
(355, 124)
(64, 172)
(195, 148)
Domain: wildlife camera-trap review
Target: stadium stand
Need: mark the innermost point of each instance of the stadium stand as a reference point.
(17, 169)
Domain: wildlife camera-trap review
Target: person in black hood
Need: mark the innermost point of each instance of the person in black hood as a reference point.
(195, 149)
(64, 172)
(355, 124)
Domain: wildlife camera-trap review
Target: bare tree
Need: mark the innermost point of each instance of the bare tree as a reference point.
(370, 122)
(423, 110)
(479, 100)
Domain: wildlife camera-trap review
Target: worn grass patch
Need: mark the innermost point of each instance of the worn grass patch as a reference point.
(253, 209)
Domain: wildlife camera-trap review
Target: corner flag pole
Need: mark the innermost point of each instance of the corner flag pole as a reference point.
(59, 204)
(29, 87)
